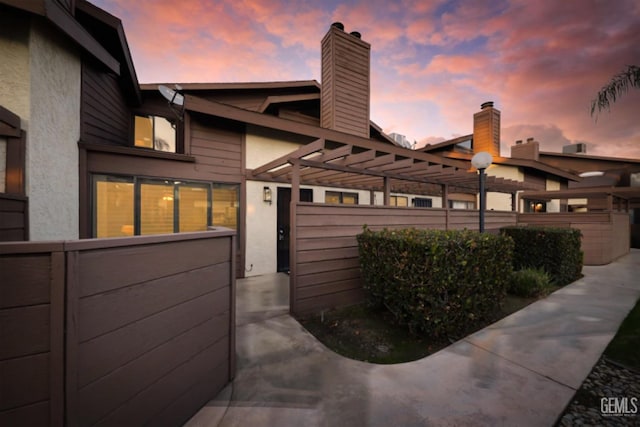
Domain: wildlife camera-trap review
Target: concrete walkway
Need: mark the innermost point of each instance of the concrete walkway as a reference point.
(522, 370)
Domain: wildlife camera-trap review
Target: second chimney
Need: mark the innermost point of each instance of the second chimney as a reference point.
(486, 130)
(530, 150)
(345, 93)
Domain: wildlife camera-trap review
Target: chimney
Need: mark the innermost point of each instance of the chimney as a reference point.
(529, 150)
(345, 91)
(486, 130)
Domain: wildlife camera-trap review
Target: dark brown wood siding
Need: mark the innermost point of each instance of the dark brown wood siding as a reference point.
(14, 218)
(105, 116)
(326, 270)
(148, 328)
(31, 333)
(217, 147)
(345, 83)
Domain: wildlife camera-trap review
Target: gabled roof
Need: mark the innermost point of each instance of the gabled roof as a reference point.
(446, 144)
(239, 85)
(97, 32)
(310, 92)
(65, 22)
(349, 161)
(543, 167)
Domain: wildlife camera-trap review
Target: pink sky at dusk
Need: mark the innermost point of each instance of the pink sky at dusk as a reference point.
(433, 62)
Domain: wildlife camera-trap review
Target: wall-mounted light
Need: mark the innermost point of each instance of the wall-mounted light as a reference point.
(266, 195)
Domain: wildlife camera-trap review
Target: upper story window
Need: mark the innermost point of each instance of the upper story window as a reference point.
(155, 132)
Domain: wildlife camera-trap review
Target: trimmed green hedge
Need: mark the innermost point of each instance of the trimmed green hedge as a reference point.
(555, 250)
(530, 282)
(436, 282)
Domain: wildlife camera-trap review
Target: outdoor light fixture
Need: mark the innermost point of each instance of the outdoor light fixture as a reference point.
(266, 195)
(481, 161)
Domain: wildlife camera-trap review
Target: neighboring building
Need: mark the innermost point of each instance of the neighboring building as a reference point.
(519, 167)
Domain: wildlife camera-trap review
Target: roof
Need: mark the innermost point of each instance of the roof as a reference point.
(97, 32)
(447, 143)
(312, 95)
(340, 159)
(589, 157)
(65, 22)
(508, 161)
(238, 85)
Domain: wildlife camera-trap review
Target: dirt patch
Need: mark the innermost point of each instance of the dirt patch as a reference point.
(370, 335)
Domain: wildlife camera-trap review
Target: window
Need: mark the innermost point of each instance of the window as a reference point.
(113, 207)
(127, 206)
(461, 204)
(399, 201)
(225, 205)
(340, 197)
(155, 132)
(421, 202)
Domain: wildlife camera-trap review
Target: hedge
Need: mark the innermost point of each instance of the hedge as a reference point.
(555, 250)
(438, 283)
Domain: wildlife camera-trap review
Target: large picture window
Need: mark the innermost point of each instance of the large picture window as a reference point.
(127, 206)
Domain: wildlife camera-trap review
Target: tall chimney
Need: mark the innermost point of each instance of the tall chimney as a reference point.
(486, 130)
(345, 91)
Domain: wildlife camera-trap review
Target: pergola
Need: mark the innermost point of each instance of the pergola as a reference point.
(370, 165)
(341, 160)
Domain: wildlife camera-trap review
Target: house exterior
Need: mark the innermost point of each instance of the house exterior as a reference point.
(520, 166)
(146, 166)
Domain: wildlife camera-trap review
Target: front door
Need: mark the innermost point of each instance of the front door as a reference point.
(284, 223)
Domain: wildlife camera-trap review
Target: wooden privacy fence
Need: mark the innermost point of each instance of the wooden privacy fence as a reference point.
(14, 219)
(325, 270)
(115, 331)
(605, 235)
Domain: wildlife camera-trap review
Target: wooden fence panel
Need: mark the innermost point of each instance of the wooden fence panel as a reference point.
(143, 313)
(31, 331)
(125, 331)
(326, 269)
(14, 220)
(605, 235)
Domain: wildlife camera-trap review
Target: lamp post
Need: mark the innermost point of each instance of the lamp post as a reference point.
(481, 161)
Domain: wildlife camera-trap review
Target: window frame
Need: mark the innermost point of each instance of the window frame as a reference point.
(178, 126)
(341, 195)
(177, 184)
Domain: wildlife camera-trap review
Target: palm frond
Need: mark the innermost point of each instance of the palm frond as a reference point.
(618, 85)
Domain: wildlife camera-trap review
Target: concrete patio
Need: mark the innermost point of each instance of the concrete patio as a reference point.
(522, 370)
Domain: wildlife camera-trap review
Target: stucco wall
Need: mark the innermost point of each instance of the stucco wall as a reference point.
(502, 201)
(260, 255)
(262, 149)
(553, 205)
(52, 137)
(14, 65)
(40, 82)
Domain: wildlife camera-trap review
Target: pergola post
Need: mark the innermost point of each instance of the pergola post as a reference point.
(293, 222)
(387, 191)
